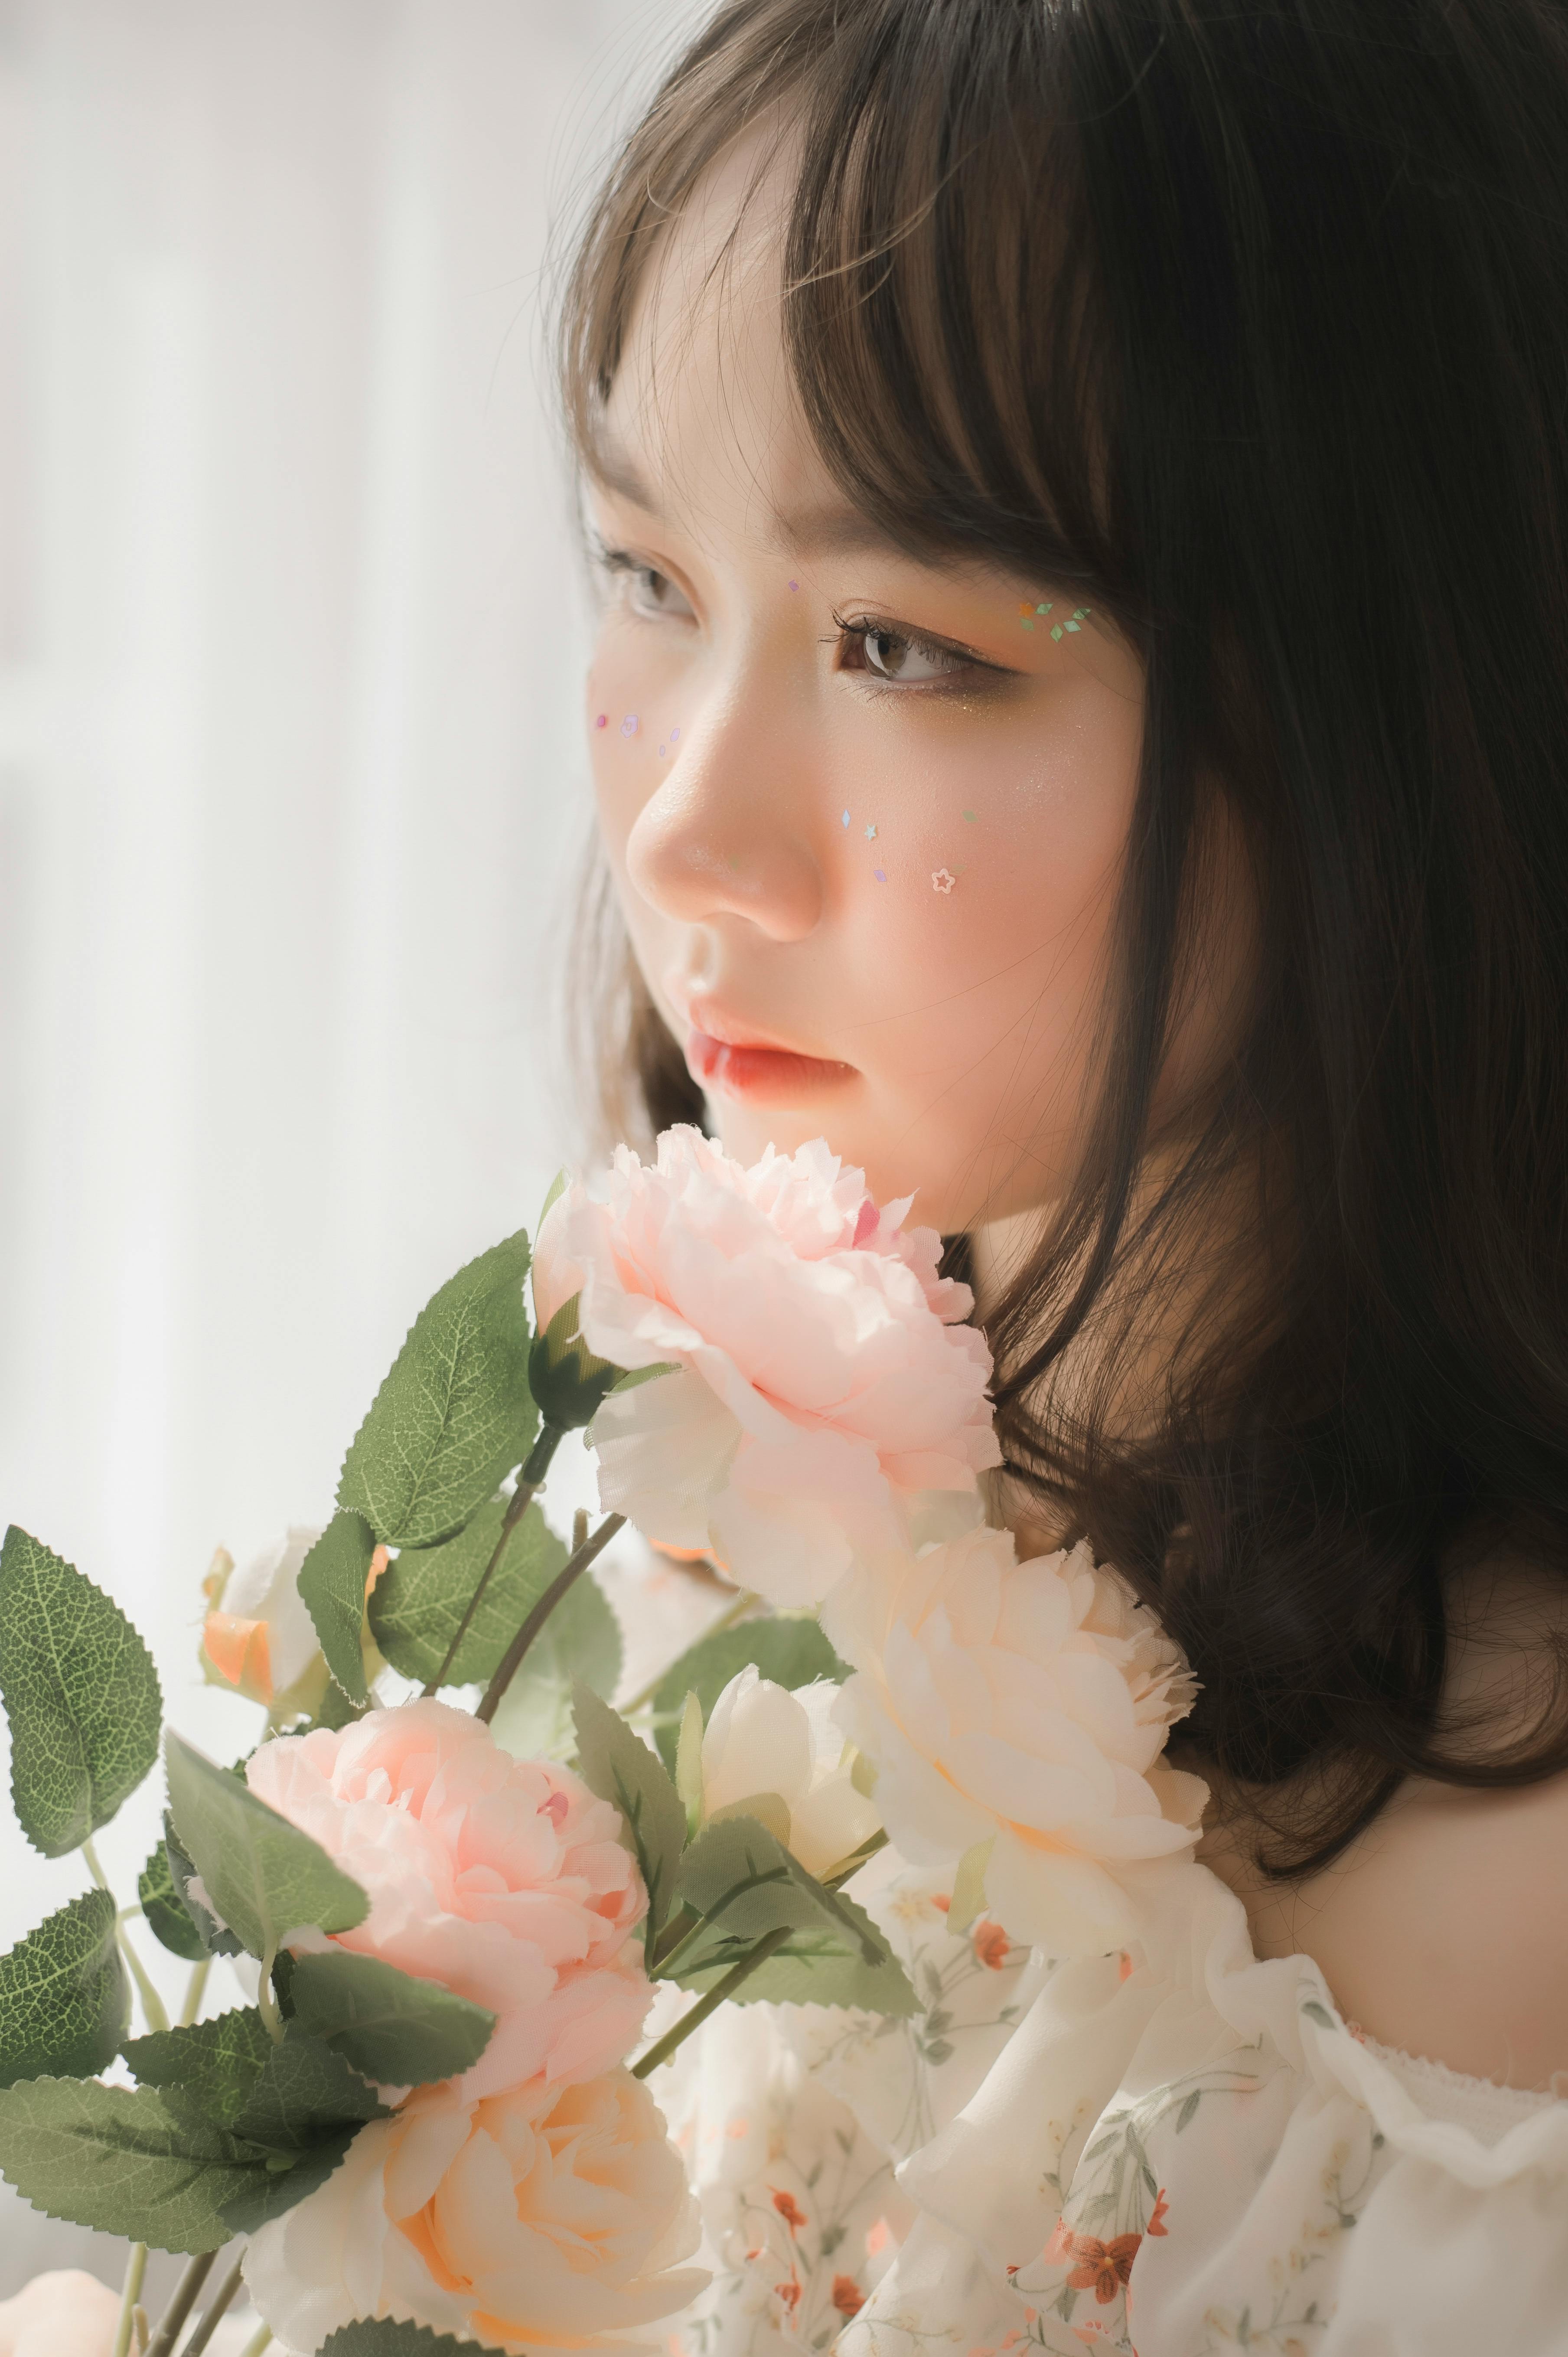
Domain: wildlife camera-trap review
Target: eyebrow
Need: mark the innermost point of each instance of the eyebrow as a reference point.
(835, 530)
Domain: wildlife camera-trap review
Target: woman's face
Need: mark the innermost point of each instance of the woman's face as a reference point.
(866, 814)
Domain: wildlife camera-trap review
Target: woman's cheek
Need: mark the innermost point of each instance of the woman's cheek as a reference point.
(634, 731)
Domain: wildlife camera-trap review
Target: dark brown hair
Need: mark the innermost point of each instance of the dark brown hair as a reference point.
(1248, 319)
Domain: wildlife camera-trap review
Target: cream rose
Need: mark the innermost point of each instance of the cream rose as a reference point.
(819, 1372)
(503, 1879)
(1024, 1705)
(536, 2219)
(781, 1750)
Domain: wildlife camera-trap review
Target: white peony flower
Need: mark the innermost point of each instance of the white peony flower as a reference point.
(821, 1376)
(1018, 1711)
(778, 1756)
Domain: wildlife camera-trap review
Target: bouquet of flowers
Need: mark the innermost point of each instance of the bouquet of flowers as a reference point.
(432, 2120)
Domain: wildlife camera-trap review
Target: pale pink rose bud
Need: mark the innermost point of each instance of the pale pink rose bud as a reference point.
(503, 1879)
(64, 2314)
(764, 1740)
(259, 1638)
(820, 1378)
(1026, 1706)
(538, 2220)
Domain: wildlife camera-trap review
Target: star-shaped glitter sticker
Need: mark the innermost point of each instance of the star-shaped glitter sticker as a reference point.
(871, 834)
(943, 879)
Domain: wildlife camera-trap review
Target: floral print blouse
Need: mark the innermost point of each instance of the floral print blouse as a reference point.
(1173, 2151)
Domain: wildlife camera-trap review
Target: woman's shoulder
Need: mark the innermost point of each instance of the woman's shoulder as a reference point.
(1443, 1930)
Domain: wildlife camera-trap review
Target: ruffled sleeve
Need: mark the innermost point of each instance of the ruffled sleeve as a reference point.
(1189, 2151)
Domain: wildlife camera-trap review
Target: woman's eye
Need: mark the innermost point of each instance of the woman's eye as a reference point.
(897, 656)
(654, 596)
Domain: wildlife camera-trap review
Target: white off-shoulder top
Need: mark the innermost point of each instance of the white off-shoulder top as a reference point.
(1172, 2152)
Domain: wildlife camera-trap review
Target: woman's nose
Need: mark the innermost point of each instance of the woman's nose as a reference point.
(729, 831)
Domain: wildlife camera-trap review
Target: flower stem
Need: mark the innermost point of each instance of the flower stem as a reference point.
(257, 2341)
(152, 2003)
(767, 1946)
(572, 1570)
(180, 2306)
(216, 2307)
(529, 1481)
(136, 2275)
(194, 1990)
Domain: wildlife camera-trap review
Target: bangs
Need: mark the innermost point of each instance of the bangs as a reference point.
(941, 310)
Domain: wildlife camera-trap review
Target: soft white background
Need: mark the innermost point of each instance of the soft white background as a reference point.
(292, 787)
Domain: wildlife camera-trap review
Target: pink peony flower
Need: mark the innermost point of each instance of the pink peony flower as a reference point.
(820, 1372)
(1022, 1706)
(537, 2220)
(503, 1879)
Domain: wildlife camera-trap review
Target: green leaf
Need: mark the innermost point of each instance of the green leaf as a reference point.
(302, 2093)
(618, 1766)
(263, 1877)
(580, 1640)
(812, 1967)
(216, 1940)
(123, 2161)
(455, 1415)
(165, 1911)
(742, 1882)
(213, 2065)
(268, 2190)
(394, 2028)
(65, 1999)
(792, 1652)
(383, 2337)
(417, 1602)
(332, 1588)
(81, 1693)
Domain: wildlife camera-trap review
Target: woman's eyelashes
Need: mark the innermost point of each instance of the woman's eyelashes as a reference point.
(897, 657)
(653, 595)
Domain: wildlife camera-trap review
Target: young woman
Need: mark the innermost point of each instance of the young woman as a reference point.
(1080, 721)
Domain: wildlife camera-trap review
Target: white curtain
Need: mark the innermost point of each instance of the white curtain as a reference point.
(292, 787)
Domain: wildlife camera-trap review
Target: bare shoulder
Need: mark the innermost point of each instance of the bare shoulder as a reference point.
(1443, 1930)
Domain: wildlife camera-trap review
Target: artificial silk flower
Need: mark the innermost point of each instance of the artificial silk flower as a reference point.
(65, 2313)
(777, 1755)
(506, 1880)
(538, 2219)
(819, 1375)
(258, 1638)
(1017, 1714)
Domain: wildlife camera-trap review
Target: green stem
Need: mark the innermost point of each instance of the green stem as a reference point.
(257, 2341)
(216, 2309)
(726, 1620)
(529, 1481)
(663, 1966)
(721, 1990)
(152, 2003)
(180, 2306)
(136, 2275)
(574, 1569)
(194, 1990)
